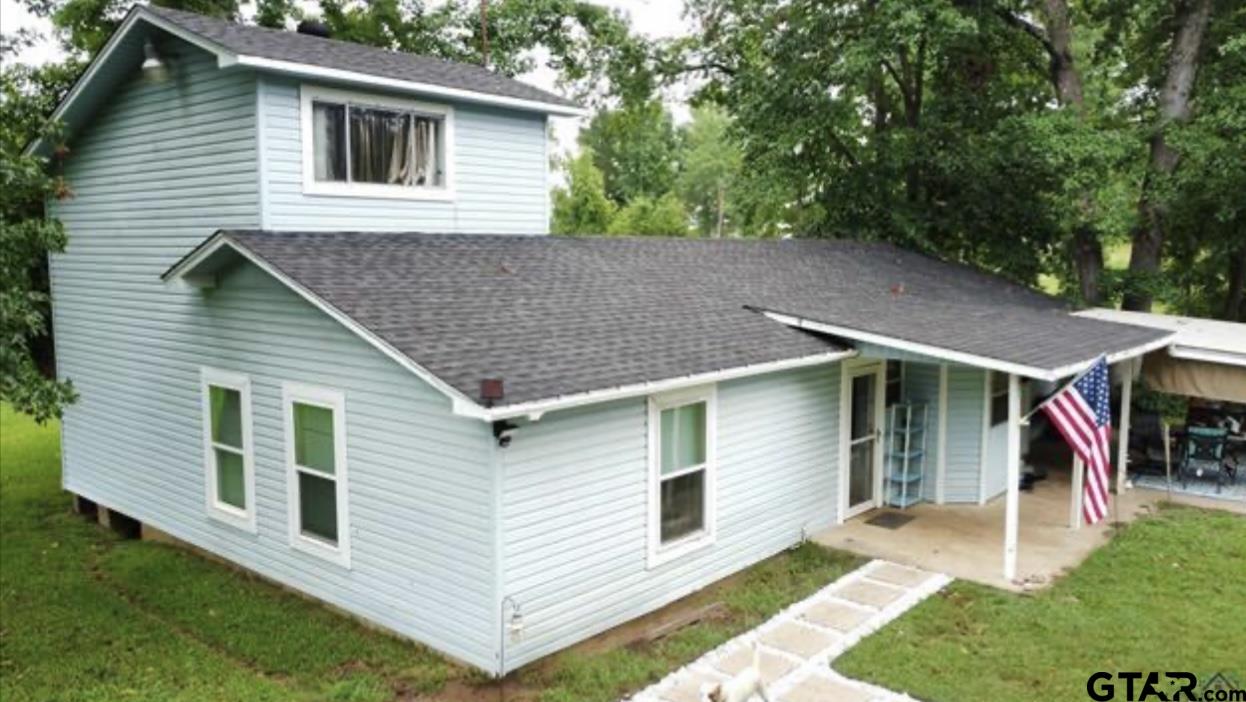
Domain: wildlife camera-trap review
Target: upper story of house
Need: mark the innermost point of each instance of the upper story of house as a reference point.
(305, 132)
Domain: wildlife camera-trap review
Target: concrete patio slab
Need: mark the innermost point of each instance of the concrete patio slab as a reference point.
(966, 541)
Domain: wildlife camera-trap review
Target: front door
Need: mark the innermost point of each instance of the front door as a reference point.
(864, 413)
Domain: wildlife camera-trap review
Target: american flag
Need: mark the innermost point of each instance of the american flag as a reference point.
(1082, 413)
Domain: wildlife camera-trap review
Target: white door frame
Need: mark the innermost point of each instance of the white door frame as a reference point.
(850, 369)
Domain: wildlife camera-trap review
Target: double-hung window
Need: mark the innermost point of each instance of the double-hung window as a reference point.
(315, 428)
(372, 146)
(230, 479)
(681, 473)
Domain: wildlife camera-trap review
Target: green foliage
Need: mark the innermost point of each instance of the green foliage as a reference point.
(1206, 197)
(710, 176)
(645, 216)
(582, 207)
(26, 237)
(636, 148)
(1171, 408)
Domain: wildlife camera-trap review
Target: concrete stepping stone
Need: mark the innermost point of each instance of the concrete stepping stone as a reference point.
(818, 689)
(874, 595)
(899, 575)
(689, 687)
(794, 638)
(773, 666)
(836, 615)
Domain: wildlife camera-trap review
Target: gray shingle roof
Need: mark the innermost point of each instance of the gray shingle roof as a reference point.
(329, 53)
(562, 315)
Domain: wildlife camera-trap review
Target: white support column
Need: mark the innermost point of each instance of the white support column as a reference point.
(1013, 506)
(1075, 493)
(1122, 441)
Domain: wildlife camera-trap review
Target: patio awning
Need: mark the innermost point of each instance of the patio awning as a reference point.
(1207, 357)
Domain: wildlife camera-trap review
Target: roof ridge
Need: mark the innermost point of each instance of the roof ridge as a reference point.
(259, 28)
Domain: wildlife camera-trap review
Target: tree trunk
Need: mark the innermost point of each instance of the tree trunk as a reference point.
(1174, 107)
(1086, 249)
(1087, 254)
(1234, 311)
(722, 209)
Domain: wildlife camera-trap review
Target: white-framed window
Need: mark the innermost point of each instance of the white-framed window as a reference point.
(682, 468)
(316, 471)
(361, 145)
(227, 447)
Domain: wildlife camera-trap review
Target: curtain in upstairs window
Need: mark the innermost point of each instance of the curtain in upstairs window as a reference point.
(329, 141)
(380, 146)
(426, 166)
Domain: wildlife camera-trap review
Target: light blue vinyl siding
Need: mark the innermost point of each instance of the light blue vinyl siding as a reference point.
(575, 503)
(921, 384)
(964, 434)
(160, 169)
(500, 165)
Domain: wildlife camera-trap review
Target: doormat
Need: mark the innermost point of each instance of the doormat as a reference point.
(890, 520)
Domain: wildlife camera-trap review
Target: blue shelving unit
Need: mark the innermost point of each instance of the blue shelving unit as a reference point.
(906, 453)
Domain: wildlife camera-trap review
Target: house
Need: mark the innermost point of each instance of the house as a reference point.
(496, 444)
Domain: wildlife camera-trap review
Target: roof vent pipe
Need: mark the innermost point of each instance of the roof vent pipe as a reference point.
(315, 28)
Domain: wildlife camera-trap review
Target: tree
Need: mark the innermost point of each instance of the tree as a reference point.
(582, 207)
(1172, 109)
(636, 148)
(1204, 267)
(711, 170)
(645, 216)
(883, 120)
(26, 237)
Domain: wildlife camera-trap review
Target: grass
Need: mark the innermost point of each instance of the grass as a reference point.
(87, 616)
(1168, 593)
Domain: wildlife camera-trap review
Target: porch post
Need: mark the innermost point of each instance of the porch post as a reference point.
(1012, 505)
(1075, 493)
(1122, 441)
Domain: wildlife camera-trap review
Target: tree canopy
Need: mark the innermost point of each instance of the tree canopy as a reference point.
(1036, 138)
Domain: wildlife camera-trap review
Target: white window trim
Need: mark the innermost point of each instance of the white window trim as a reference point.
(241, 518)
(333, 400)
(659, 553)
(311, 186)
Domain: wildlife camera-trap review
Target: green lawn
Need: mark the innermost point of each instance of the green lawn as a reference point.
(1169, 593)
(86, 616)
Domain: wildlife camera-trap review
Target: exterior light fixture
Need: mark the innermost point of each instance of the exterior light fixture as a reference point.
(154, 68)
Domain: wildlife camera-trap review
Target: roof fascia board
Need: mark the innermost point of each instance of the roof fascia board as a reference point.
(1048, 374)
(461, 404)
(536, 408)
(303, 70)
(1194, 353)
(1122, 355)
(137, 13)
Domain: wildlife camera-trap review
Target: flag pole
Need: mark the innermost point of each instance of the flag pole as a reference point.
(1025, 419)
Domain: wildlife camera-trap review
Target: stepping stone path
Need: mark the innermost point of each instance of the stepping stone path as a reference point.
(798, 644)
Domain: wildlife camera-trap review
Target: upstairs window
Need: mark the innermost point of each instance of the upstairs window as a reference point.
(375, 147)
